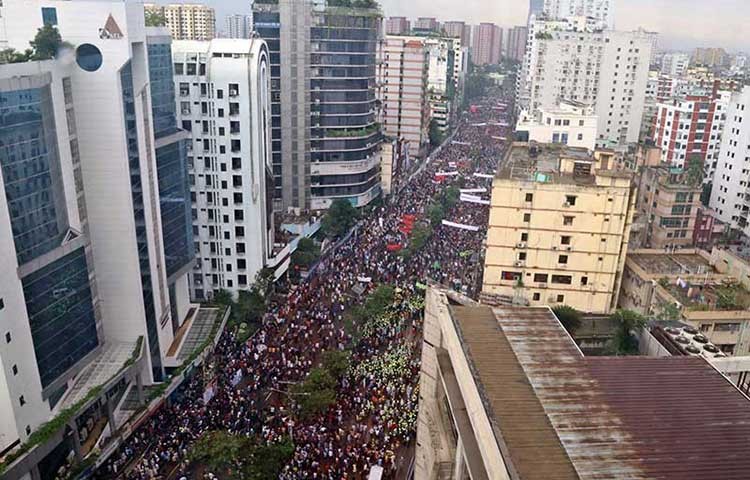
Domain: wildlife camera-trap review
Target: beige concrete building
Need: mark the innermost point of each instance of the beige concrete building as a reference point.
(187, 21)
(506, 394)
(558, 230)
(706, 290)
(402, 77)
(668, 206)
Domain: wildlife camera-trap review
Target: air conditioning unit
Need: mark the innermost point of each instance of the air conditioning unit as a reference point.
(520, 263)
(554, 247)
(566, 205)
(570, 249)
(521, 245)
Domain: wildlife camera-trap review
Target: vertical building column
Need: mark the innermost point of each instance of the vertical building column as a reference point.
(458, 463)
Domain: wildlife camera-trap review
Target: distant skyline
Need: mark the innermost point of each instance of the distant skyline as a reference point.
(681, 24)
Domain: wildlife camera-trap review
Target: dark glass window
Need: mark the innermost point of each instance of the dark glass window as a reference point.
(161, 82)
(88, 57)
(49, 15)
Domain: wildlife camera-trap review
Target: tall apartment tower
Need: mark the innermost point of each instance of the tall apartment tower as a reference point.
(458, 29)
(425, 25)
(536, 7)
(603, 11)
(397, 26)
(224, 100)
(516, 45)
(96, 245)
(403, 76)
(729, 196)
(187, 21)
(486, 44)
(239, 26)
(571, 59)
(325, 136)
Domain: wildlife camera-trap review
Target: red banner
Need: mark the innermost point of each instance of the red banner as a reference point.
(393, 247)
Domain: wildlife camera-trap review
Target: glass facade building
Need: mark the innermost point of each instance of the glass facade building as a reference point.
(128, 100)
(30, 165)
(61, 313)
(171, 162)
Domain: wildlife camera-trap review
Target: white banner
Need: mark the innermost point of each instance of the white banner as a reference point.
(473, 190)
(364, 279)
(479, 124)
(484, 175)
(237, 378)
(474, 199)
(470, 228)
(446, 174)
(456, 142)
(502, 139)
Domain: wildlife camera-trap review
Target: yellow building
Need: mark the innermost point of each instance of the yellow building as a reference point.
(186, 21)
(558, 230)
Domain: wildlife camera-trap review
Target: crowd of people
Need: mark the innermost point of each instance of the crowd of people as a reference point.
(373, 419)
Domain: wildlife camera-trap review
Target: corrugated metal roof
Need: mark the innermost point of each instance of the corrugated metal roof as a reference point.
(616, 418)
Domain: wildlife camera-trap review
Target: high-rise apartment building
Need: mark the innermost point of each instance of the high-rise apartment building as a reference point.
(224, 100)
(675, 64)
(570, 59)
(96, 228)
(569, 123)
(324, 132)
(602, 11)
(239, 26)
(558, 230)
(187, 21)
(669, 204)
(710, 57)
(441, 86)
(515, 48)
(458, 29)
(536, 7)
(730, 197)
(486, 44)
(403, 76)
(425, 25)
(690, 128)
(397, 26)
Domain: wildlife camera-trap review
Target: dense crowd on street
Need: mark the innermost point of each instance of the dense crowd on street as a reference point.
(373, 419)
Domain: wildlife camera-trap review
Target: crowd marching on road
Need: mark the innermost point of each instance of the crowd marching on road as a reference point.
(373, 419)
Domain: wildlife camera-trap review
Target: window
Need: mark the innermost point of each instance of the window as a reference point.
(241, 264)
(15, 369)
(567, 220)
(236, 163)
(541, 277)
(529, 197)
(522, 256)
(524, 237)
(510, 276)
(49, 16)
(565, 240)
(536, 297)
(584, 280)
(526, 217)
(239, 231)
(22, 400)
(240, 247)
(2, 303)
(237, 197)
(28, 429)
(570, 199)
(560, 298)
(7, 337)
(562, 279)
(563, 259)
(239, 215)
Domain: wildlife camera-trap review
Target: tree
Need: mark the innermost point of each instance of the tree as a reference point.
(436, 214)
(306, 254)
(624, 341)
(569, 317)
(668, 311)
(341, 216)
(223, 297)
(269, 461)
(46, 43)
(694, 170)
(435, 135)
(379, 301)
(316, 393)
(336, 362)
(155, 19)
(10, 55)
(220, 451)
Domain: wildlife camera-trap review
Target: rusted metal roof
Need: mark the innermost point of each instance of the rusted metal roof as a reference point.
(615, 418)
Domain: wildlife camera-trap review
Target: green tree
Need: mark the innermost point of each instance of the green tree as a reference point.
(155, 19)
(316, 393)
(341, 216)
(46, 43)
(10, 55)
(336, 362)
(624, 341)
(220, 451)
(694, 170)
(569, 317)
(269, 461)
(449, 197)
(223, 297)
(436, 214)
(379, 301)
(435, 135)
(668, 311)
(306, 254)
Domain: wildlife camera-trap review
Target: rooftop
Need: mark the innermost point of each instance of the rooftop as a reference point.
(674, 264)
(565, 416)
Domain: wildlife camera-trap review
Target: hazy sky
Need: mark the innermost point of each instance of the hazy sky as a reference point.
(680, 23)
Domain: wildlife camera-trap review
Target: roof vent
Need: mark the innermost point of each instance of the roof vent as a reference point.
(690, 330)
(700, 338)
(682, 339)
(710, 348)
(693, 350)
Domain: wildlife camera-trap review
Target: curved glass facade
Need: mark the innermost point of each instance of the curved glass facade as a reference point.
(30, 164)
(161, 80)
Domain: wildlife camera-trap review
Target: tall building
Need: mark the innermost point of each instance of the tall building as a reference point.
(569, 123)
(536, 7)
(570, 59)
(239, 26)
(441, 85)
(691, 127)
(558, 229)
(397, 26)
(458, 29)
(675, 64)
(403, 76)
(325, 137)
(516, 44)
(710, 57)
(225, 103)
(96, 229)
(602, 11)
(669, 203)
(187, 21)
(425, 25)
(486, 45)
(507, 393)
(729, 197)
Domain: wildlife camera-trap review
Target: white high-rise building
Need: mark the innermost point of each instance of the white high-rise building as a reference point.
(239, 26)
(569, 60)
(603, 11)
(223, 94)
(675, 64)
(94, 220)
(730, 196)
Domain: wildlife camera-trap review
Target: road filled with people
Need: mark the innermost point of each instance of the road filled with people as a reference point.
(372, 421)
